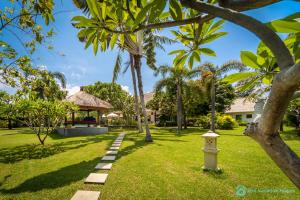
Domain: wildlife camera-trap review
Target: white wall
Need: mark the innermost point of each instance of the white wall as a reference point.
(244, 116)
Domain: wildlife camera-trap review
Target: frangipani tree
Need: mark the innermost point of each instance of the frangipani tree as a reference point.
(285, 83)
(262, 68)
(194, 36)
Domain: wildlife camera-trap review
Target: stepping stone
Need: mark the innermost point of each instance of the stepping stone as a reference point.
(86, 195)
(116, 145)
(114, 148)
(103, 166)
(122, 134)
(110, 158)
(96, 178)
(118, 141)
(112, 152)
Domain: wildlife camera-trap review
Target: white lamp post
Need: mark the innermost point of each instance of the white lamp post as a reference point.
(210, 151)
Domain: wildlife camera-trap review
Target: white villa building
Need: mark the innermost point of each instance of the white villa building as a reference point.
(245, 110)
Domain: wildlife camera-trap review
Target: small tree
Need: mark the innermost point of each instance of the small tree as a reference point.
(44, 116)
(7, 108)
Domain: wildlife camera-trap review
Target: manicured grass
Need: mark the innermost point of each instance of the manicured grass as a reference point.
(169, 168)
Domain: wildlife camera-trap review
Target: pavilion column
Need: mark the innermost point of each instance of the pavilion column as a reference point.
(73, 119)
(88, 114)
(65, 121)
(98, 118)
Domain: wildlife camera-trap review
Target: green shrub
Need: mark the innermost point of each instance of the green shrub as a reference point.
(203, 121)
(226, 122)
(242, 123)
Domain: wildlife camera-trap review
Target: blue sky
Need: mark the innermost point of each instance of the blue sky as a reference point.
(81, 67)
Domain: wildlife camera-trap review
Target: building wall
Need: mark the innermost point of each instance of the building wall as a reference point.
(243, 116)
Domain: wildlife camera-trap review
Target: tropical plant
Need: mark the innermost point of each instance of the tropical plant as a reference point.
(8, 109)
(43, 116)
(156, 15)
(210, 75)
(137, 44)
(115, 95)
(193, 37)
(176, 76)
(19, 18)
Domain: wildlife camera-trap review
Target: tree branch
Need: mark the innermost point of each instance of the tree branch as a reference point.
(163, 24)
(283, 88)
(269, 37)
(242, 5)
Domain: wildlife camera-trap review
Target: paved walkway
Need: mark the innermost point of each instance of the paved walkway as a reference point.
(100, 178)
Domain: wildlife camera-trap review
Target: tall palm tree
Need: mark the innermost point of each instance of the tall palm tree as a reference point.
(210, 75)
(176, 76)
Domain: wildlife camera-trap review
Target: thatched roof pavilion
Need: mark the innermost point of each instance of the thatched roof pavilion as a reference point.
(88, 102)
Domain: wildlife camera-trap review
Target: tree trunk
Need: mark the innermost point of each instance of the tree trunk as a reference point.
(281, 126)
(179, 107)
(9, 124)
(184, 120)
(280, 153)
(137, 64)
(213, 105)
(40, 139)
(136, 101)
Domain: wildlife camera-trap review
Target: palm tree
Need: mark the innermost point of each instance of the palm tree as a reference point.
(177, 76)
(210, 74)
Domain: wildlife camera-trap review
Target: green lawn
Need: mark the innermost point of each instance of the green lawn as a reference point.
(169, 168)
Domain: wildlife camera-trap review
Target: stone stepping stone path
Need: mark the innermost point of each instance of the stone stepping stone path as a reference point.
(111, 152)
(114, 148)
(86, 195)
(103, 166)
(109, 158)
(100, 178)
(96, 178)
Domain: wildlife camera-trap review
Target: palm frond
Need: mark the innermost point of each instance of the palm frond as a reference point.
(163, 83)
(207, 67)
(232, 65)
(61, 77)
(163, 70)
(117, 68)
(126, 66)
(82, 5)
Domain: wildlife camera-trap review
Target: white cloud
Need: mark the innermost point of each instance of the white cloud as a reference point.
(43, 67)
(125, 88)
(7, 88)
(72, 89)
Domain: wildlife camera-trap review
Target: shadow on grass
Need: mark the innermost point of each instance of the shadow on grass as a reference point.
(55, 179)
(34, 151)
(220, 174)
(17, 131)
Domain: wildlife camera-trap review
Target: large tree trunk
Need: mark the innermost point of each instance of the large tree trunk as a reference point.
(137, 66)
(179, 106)
(136, 101)
(265, 131)
(213, 105)
(9, 124)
